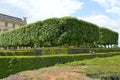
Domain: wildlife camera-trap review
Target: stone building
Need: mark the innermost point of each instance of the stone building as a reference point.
(9, 22)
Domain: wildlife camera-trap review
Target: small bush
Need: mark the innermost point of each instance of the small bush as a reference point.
(112, 77)
(17, 53)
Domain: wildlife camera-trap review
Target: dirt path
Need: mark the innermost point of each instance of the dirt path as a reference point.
(52, 73)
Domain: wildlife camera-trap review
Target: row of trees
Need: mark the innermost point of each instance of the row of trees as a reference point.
(107, 37)
(58, 32)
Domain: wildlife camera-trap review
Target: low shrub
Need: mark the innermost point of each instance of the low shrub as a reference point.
(54, 51)
(17, 53)
(87, 50)
(111, 78)
(13, 64)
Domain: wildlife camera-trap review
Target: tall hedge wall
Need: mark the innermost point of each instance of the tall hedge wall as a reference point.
(108, 37)
(57, 32)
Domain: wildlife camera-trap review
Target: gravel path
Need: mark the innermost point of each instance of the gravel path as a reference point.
(52, 73)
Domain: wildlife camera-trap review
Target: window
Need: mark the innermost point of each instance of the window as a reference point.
(13, 25)
(6, 24)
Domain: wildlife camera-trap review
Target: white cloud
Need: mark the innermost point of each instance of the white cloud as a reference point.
(108, 3)
(115, 10)
(41, 9)
(103, 20)
(112, 6)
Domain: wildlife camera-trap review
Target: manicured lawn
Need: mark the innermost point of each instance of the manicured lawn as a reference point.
(100, 67)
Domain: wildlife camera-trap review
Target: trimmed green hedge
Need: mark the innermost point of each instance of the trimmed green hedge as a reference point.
(96, 50)
(52, 32)
(54, 51)
(107, 37)
(17, 53)
(10, 65)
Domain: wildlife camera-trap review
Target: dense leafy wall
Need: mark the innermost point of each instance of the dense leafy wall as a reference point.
(108, 37)
(79, 32)
(58, 32)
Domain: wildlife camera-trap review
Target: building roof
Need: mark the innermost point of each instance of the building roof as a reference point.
(11, 18)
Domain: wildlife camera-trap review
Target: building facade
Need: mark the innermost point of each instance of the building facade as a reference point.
(9, 22)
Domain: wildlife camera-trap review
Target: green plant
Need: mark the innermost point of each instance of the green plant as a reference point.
(17, 53)
(52, 32)
(105, 40)
(14, 64)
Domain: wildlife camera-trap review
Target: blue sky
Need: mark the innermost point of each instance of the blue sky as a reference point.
(105, 13)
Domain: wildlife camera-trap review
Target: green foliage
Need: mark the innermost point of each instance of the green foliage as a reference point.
(108, 37)
(14, 64)
(51, 32)
(77, 32)
(65, 31)
(103, 71)
(55, 51)
(17, 53)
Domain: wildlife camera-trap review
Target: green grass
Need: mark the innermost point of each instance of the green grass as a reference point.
(100, 67)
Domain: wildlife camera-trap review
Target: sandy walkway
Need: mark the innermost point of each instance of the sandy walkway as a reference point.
(52, 73)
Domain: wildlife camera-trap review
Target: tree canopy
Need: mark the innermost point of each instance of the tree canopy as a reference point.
(58, 32)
